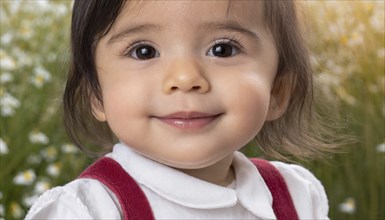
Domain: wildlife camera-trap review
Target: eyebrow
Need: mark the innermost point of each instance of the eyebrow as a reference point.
(226, 26)
(131, 30)
(231, 26)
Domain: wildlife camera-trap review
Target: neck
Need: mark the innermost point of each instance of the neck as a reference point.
(220, 173)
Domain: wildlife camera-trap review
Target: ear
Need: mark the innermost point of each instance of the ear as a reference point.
(280, 97)
(97, 109)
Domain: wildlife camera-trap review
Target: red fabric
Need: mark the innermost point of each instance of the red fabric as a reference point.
(283, 205)
(131, 198)
(135, 205)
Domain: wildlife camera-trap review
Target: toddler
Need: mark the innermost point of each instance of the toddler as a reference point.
(180, 87)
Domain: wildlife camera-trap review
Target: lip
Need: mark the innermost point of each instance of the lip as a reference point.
(188, 120)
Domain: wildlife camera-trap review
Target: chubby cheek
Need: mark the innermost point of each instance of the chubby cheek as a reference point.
(249, 99)
(124, 107)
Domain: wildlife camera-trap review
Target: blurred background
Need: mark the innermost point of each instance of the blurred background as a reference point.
(346, 39)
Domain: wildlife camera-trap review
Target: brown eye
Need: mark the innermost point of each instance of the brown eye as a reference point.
(143, 52)
(224, 50)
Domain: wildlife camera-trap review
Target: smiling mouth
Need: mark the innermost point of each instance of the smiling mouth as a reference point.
(188, 120)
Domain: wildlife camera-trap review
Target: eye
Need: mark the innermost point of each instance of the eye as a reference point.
(225, 48)
(142, 52)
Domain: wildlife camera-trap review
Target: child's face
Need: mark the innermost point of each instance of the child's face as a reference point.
(187, 83)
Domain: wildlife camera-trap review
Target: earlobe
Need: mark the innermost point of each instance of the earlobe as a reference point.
(99, 115)
(277, 108)
(98, 110)
(279, 98)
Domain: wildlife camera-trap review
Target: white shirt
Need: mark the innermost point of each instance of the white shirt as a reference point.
(175, 195)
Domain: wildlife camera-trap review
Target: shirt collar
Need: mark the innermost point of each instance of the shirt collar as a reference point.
(250, 189)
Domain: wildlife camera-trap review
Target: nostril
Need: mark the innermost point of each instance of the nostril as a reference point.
(196, 87)
(174, 88)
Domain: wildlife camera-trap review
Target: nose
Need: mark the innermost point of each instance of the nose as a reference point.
(185, 76)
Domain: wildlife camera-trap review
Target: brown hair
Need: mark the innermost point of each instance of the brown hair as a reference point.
(296, 133)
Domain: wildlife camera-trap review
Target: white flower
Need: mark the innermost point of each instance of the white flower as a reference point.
(49, 153)
(42, 186)
(2, 213)
(377, 19)
(69, 148)
(38, 138)
(30, 200)
(348, 206)
(14, 7)
(381, 148)
(53, 169)
(43, 5)
(6, 62)
(61, 9)
(25, 178)
(16, 210)
(23, 59)
(40, 77)
(6, 38)
(3, 147)
(8, 104)
(40, 6)
(6, 77)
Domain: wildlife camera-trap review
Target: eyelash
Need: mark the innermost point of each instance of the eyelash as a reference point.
(232, 41)
(134, 44)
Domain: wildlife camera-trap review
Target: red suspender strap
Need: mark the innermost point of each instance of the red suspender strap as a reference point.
(132, 199)
(282, 203)
(134, 203)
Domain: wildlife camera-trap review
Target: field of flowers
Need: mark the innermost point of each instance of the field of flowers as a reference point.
(348, 54)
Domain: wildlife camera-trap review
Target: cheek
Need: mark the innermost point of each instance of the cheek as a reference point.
(258, 90)
(124, 104)
(250, 90)
(124, 92)
(248, 99)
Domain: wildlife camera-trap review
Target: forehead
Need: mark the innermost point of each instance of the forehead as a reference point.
(191, 13)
